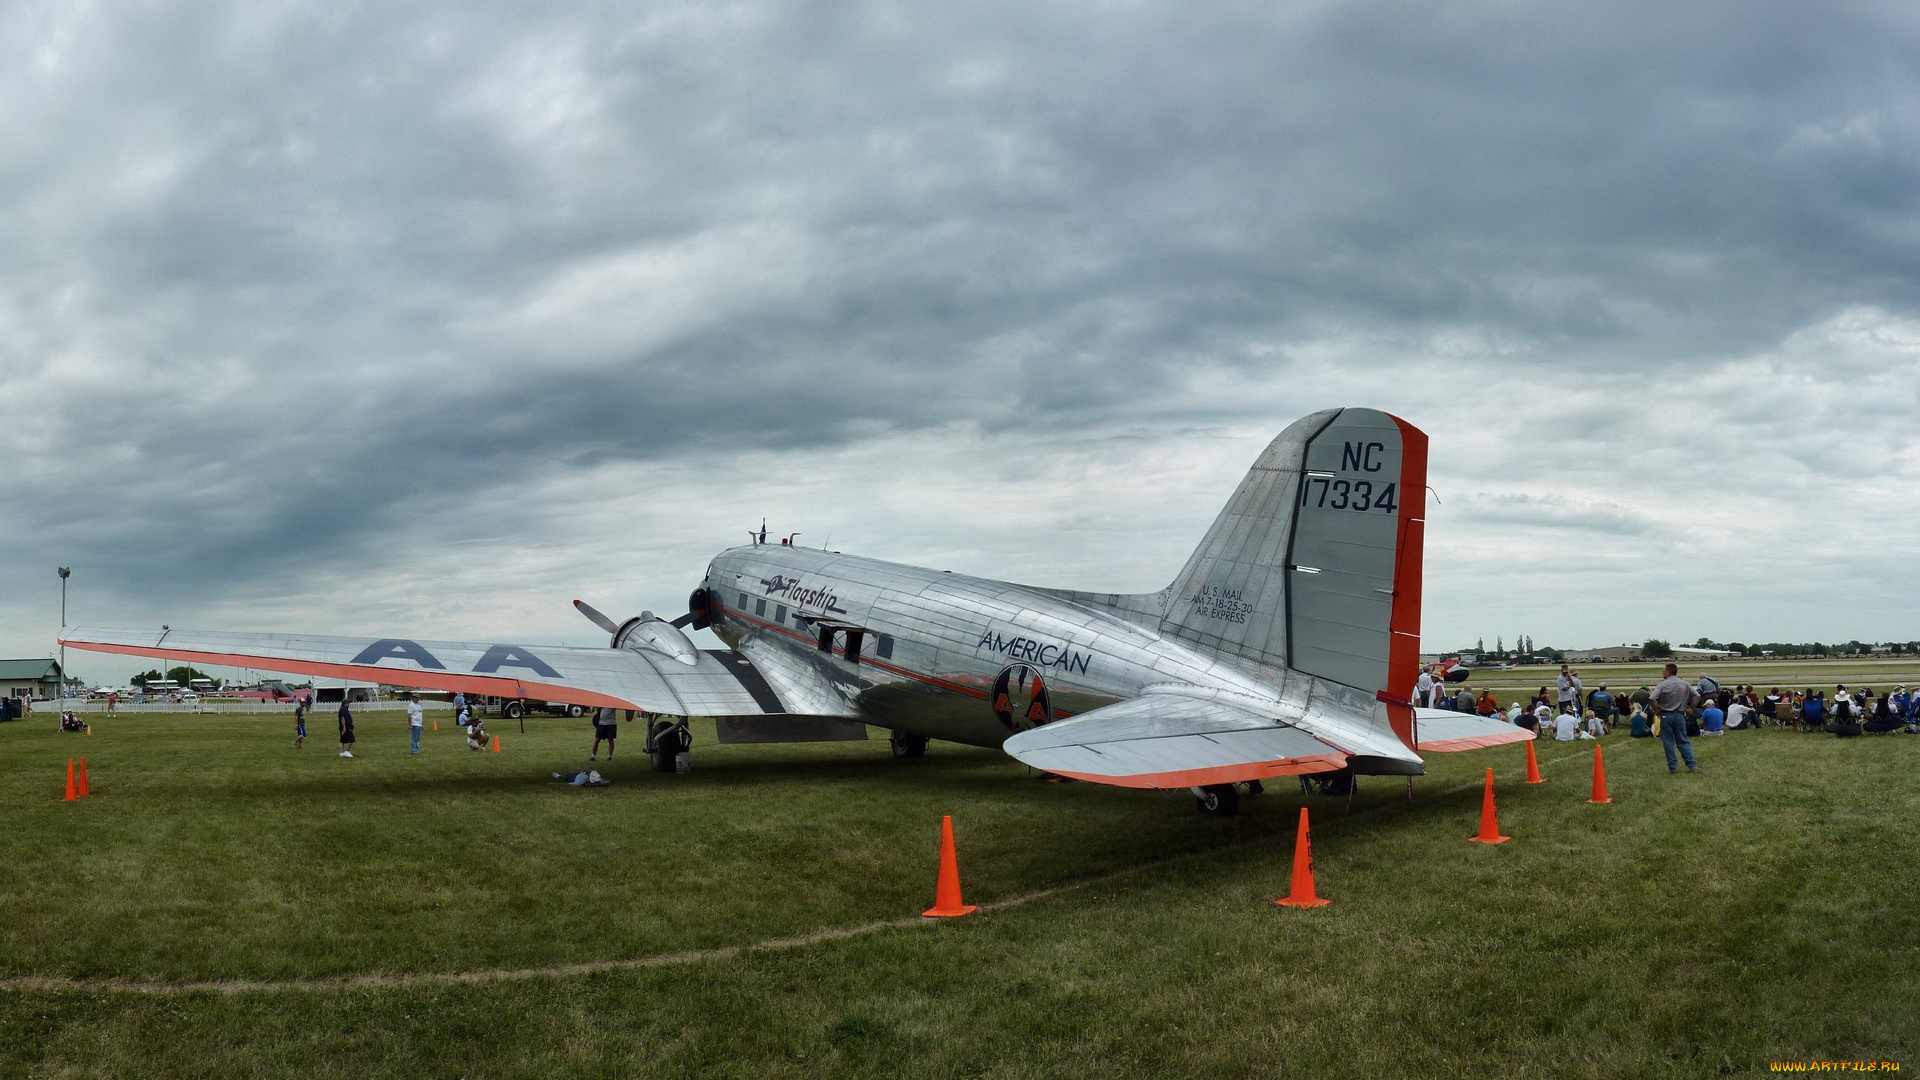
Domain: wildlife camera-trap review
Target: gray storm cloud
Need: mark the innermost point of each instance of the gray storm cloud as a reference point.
(315, 316)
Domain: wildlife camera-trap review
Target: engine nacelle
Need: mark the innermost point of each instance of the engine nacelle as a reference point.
(645, 633)
(700, 609)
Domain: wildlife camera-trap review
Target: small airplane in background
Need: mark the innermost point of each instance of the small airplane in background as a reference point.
(1288, 644)
(1458, 670)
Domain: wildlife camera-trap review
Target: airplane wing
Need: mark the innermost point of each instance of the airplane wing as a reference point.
(1443, 732)
(1169, 741)
(717, 683)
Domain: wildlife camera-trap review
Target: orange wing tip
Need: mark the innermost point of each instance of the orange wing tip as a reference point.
(1218, 774)
(1474, 742)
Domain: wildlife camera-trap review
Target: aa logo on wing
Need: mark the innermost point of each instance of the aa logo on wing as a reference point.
(1020, 698)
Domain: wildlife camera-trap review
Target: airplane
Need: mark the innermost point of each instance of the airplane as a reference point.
(1287, 645)
(1458, 670)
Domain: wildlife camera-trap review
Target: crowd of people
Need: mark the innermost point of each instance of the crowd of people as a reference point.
(1674, 710)
(463, 714)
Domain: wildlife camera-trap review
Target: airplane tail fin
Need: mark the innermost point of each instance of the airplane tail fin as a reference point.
(1315, 562)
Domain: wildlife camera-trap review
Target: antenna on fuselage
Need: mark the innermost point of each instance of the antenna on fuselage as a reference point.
(787, 541)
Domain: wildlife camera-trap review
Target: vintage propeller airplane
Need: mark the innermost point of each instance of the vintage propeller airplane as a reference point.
(1288, 644)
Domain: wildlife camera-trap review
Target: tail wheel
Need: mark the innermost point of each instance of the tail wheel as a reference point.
(1217, 800)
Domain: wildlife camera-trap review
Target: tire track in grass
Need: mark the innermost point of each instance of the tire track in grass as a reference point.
(55, 983)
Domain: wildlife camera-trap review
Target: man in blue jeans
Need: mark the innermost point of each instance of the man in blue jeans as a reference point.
(1672, 698)
(414, 719)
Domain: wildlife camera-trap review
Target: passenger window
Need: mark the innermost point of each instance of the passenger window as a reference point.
(883, 646)
(780, 613)
(760, 607)
(743, 601)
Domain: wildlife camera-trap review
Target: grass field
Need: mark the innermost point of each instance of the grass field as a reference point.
(226, 906)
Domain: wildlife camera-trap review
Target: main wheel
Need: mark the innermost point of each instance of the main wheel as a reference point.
(665, 746)
(1219, 800)
(576, 710)
(513, 710)
(908, 746)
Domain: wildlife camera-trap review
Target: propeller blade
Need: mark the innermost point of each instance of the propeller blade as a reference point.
(596, 618)
(683, 620)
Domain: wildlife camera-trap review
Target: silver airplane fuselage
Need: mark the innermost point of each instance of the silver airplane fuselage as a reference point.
(954, 657)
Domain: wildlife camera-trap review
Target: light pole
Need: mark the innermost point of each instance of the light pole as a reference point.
(65, 572)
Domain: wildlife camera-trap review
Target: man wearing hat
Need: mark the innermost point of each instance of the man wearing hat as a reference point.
(1601, 702)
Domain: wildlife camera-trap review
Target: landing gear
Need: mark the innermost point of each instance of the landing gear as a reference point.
(670, 745)
(908, 746)
(1218, 800)
(513, 710)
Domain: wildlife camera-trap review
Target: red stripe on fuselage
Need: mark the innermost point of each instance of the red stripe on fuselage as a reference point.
(905, 673)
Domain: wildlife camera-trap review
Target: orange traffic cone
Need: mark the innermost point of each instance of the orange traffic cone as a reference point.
(71, 794)
(436, 725)
(496, 744)
(89, 729)
(84, 790)
(1533, 766)
(1302, 894)
(946, 891)
(1599, 778)
(1489, 821)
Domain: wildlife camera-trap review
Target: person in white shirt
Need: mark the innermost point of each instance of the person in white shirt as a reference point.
(1738, 715)
(1513, 713)
(1566, 727)
(414, 717)
(1593, 725)
(1423, 689)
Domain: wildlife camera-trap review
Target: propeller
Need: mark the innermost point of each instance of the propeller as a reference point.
(593, 615)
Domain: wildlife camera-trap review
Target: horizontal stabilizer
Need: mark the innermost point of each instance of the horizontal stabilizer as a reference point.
(1173, 741)
(1442, 732)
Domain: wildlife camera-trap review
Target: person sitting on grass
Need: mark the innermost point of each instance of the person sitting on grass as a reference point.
(1566, 727)
(1640, 724)
(1485, 705)
(1740, 715)
(477, 734)
(1713, 719)
(1596, 727)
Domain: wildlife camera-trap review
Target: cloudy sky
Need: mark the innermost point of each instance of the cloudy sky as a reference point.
(430, 317)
